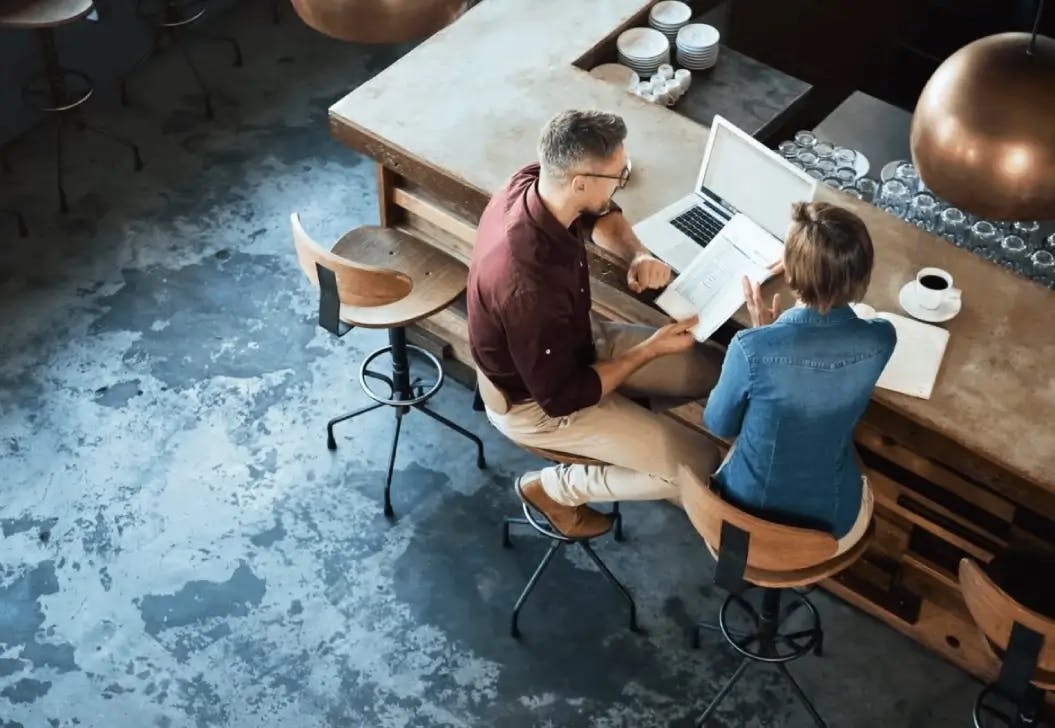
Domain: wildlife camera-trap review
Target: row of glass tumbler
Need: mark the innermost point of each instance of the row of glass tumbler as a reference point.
(1017, 246)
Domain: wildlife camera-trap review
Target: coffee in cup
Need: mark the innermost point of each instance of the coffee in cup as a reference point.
(934, 287)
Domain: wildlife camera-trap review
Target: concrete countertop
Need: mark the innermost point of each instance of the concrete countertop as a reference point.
(469, 103)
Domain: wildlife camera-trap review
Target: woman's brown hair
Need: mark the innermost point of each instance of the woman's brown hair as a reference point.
(828, 255)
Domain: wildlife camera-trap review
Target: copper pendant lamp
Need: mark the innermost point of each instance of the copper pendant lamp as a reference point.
(378, 21)
(983, 133)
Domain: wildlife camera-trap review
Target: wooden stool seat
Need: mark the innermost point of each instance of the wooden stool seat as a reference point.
(386, 277)
(37, 14)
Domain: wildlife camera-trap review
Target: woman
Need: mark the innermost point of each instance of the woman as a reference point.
(793, 387)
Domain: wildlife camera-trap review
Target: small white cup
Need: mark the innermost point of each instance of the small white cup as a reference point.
(934, 287)
(665, 71)
(683, 75)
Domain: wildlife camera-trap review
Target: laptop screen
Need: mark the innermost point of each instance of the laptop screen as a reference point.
(754, 180)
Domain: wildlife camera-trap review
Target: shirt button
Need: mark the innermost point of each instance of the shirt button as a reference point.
(582, 290)
(547, 351)
(580, 264)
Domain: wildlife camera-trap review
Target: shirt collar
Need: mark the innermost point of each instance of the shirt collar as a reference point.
(802, 314)
(561, 244)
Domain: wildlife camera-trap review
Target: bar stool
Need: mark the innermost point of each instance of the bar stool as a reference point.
(168, 21)
(1011, 601)
(775, 559)
(497, 400)
(383, 278)
(56, 90)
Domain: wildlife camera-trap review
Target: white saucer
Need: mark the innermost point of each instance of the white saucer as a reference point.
(947, 310)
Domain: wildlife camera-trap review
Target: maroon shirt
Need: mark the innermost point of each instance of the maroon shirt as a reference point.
(529, 301)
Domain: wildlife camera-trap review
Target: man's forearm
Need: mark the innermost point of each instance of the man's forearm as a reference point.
(614, 372)
(614, 233)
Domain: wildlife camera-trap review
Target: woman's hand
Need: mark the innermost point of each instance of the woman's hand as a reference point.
(761, 315)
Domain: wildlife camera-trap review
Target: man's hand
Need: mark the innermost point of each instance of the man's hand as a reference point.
(672, 338)
(647, 272)
(761, 315)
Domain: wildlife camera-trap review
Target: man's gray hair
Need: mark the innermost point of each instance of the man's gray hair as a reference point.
(572, 138)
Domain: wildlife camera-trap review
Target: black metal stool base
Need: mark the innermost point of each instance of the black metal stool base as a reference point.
(1024, 715)
(60, 91)
(404, 394)
(557, 541)
(170, 22)
(774, 645)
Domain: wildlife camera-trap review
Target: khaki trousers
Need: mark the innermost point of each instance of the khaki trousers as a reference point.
(644, 448)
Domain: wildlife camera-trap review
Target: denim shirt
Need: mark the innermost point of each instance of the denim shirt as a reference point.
(791, 394)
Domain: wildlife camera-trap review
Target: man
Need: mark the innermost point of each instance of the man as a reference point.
(564, 375)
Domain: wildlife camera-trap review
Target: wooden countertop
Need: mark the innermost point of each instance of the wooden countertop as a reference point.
(469, 102)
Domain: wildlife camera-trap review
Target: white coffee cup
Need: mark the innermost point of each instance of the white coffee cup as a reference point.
(934, 287)
(665, 71)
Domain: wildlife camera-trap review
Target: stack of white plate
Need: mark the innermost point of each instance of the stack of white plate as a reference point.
(669, 16)
(697, 46)
(643, 50)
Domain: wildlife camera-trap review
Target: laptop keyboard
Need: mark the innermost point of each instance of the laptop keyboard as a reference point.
(698, 225)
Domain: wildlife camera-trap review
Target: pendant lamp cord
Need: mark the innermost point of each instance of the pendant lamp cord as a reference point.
(1036, 27)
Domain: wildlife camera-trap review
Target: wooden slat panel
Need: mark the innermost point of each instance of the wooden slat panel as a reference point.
(418, 204)
(973, 493)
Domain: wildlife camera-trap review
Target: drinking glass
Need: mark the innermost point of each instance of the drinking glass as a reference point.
(909, 176)
(983, 235)
(805, 158)
(833, 182)
(1015, 253)
(815, 173)
(826, 165)
(925, 210)
(846, 175)
(845, 157)
(788, 150)
(1028, 230)
(868, 188)
(895, 197)
(1049, 243)
(953, 225)
(805, 139)
(1044, 267)
(823, 149)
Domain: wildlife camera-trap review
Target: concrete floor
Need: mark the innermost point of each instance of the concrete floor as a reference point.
(180, 549)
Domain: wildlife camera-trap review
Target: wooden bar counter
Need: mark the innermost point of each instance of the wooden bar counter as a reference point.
(969, 472)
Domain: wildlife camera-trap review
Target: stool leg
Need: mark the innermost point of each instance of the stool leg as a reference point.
(618, 532)
(331, 443)
(137, 161)
(506, 523)
(723, 692)
(64, 206)
(801, 696)
(197, 76)
(615, 582)
(222, 39)
(480, 461)
(391, 464)
(554, 546)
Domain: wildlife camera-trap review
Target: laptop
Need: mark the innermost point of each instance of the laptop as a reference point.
(738, 177)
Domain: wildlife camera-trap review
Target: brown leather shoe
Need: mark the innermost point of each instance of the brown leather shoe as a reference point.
(570, 521)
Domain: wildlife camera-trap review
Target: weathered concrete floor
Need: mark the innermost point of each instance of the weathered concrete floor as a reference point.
(180, 549)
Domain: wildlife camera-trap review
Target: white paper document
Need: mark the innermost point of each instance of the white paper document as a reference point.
(710, 286)
(914, 365)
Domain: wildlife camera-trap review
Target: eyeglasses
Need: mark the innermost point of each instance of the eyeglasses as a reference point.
(623, 177)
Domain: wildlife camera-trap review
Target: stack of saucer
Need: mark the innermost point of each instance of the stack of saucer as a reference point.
(697, 46)
(643, 50)
(616, 74)
(668, 17)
